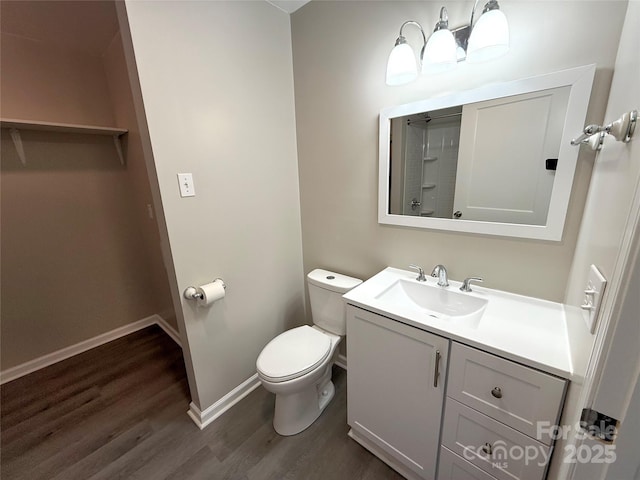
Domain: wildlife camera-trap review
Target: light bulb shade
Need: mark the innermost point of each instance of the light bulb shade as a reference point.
(440, 54)
(489, 38)
(401, 67)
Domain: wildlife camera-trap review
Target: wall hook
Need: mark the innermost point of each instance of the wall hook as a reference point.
(622, 130)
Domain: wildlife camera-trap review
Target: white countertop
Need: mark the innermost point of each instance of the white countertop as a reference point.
(523, 329)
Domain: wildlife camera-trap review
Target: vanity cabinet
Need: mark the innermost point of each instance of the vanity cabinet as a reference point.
(396, 386)
(503, 365)
(493, 410)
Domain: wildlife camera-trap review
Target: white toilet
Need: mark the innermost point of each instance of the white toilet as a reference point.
(296, 365)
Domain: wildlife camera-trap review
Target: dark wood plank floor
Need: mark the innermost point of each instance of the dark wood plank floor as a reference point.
(119, 412)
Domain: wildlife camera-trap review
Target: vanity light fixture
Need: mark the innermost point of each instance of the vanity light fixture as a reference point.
(486, 40)
(441, 49)
(401, 66)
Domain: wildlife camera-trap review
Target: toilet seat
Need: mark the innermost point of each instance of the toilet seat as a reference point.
(293, 353)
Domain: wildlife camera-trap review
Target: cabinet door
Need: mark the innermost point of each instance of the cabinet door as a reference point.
(394, 397)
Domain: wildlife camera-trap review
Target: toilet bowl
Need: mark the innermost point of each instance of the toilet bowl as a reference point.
(296, 365)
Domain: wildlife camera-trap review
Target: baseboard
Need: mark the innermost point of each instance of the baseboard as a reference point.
(46, 360)
(383, 455)
(341, 361)
(204, 418)
(169, 330)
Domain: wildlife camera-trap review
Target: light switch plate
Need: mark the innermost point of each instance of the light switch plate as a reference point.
(187, 189)
(596, 284)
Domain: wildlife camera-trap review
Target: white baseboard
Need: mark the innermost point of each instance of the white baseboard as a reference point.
(204, 418)
(169, 330)
(383, 455)
(341, 361)
(41, 362)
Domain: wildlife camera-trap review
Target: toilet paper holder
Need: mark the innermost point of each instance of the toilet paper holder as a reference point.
(191, 293)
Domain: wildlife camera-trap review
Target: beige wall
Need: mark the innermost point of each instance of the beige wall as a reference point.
(137, 178)
(217, 87)
(616, 175)
(340, 51)
(614, 188)
(77, 258)
(49, 83)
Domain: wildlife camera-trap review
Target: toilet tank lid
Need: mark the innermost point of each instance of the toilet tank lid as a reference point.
(335, 282)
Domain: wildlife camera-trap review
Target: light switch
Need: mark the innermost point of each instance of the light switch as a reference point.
(596, 284)
(187, 188)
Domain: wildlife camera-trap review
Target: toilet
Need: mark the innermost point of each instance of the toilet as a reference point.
(296, 365)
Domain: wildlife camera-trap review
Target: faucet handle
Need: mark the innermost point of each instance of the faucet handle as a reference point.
(420, 277)
(466, 285)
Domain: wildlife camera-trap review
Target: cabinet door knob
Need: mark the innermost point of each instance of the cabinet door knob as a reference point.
(497, 392)
(487, 448)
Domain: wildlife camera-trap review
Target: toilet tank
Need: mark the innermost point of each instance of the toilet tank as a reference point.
(325, 294)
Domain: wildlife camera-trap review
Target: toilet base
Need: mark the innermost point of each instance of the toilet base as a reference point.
(296, 412)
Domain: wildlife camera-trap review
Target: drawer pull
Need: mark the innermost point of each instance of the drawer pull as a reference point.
(497, 392)
(487, 448)
(436, 374)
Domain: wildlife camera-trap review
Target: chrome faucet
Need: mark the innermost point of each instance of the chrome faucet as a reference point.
(420, 277)
(440, 272)
(466, 285)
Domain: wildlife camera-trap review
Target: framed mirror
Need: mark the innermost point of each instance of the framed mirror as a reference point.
(496, 160)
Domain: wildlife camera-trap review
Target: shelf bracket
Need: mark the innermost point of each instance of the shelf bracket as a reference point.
(118, 145)
(17, 142)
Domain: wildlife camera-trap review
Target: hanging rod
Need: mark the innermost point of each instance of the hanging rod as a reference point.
(622, 130)
(437, 117)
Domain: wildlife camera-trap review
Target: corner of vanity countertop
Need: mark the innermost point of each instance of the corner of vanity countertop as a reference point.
(580, 341)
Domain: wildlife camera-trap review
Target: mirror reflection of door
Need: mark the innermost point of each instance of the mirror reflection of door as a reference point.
(502, 173)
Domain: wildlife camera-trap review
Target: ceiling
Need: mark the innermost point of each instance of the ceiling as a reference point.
(87, 26)
(288, 6)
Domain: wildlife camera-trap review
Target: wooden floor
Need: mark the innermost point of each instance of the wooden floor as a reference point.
(119, 412)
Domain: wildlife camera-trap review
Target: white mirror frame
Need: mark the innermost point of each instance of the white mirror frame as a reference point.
(580, 80)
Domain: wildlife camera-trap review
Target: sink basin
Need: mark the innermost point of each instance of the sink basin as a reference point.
(437, 302)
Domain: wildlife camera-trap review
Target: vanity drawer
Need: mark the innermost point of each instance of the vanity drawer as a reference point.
(516, 395)
(492, 446)
(453, 467)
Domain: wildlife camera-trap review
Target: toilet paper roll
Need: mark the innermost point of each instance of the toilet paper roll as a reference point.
(210, 292)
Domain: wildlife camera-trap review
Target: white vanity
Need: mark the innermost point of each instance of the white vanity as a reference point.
(454, 385)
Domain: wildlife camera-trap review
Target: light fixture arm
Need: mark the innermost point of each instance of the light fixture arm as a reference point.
(401, 38)
(490, 5)
(444, 20)
(473, 12)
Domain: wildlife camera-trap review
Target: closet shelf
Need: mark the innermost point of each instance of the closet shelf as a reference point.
(15, 126)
